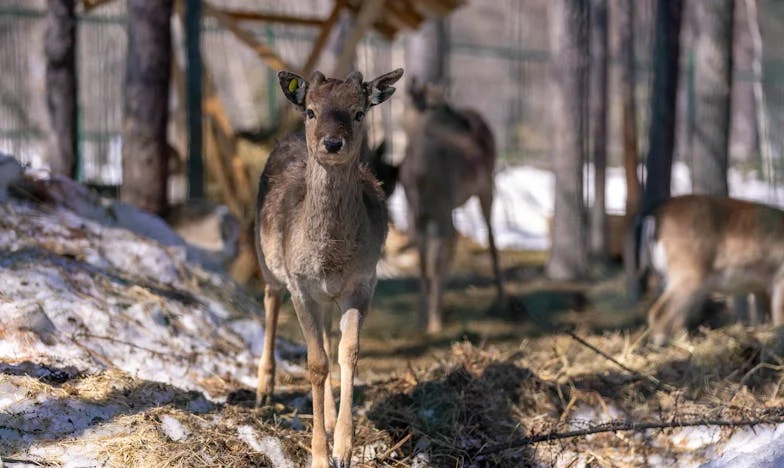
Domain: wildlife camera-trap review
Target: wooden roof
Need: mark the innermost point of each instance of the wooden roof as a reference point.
(406, 15)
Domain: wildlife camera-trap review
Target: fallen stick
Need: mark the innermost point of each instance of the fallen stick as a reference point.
(628, 426)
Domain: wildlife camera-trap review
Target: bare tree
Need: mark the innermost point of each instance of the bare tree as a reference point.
(61, 85)
(599, 60)
(763, 135)
(666, 55)
(426, 52)
(625, 20)
(568, 43)
(713, 87)
(147, 104)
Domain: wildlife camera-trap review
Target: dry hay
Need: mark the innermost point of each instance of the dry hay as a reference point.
(472, 401)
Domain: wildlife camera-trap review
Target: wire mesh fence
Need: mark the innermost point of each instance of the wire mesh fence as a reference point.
(498, 63)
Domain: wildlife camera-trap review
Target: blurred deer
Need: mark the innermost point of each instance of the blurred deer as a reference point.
(320, 226)
(450, 157)
(385, 173)
(700, 244)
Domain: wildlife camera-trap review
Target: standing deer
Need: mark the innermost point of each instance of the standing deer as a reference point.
(701, 244)
(450, 157)
(321, 222)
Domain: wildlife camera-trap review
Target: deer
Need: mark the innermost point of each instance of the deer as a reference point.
(703, 244)
(386, 173)
(450, 157)
(321, 223)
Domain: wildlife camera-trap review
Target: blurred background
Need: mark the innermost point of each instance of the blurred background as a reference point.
(104, 92)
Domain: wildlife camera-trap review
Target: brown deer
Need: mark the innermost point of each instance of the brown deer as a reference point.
(700, 244)
(450, 157)
(320, 225)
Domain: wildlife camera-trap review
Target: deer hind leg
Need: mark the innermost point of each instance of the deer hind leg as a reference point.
(751, 309)
(348, 353)
(330, 414)
(273, 297)
(683, 304)
(486, 203)
(311, 319)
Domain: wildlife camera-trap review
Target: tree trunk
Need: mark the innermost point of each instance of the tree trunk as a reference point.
(631, 158)
(61, 97)
(426, 52)
(713, 88)
(568, 43)
(147, 104)
(666, 54)
(763, 135)
(195, 93)
(337, 42)
(599, 60)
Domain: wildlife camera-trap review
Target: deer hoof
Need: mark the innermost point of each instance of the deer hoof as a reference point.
(339, 463)
(263, 399)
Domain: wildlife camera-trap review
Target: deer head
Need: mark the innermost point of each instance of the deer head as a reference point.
(335, 111)
(424, 95)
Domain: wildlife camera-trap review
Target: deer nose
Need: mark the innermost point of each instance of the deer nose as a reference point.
(332, 144)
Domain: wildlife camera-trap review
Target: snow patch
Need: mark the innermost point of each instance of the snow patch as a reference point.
(525, 198)
(269, 446)
(173, 428)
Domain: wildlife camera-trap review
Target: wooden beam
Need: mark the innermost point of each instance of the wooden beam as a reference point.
(241, 15)
(368, 13)
(88, 5)
(265, 53)
(321, 40)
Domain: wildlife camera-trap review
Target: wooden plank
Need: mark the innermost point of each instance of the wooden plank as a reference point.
(226, 145)
(88, 5)
(242, 15)
(218, 171)
(368, 13)
(321, 40)
(265, 53)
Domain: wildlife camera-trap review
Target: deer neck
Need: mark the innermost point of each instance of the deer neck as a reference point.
(333, 204)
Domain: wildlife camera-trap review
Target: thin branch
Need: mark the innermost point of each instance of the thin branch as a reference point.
(627, 426)
(601, 353)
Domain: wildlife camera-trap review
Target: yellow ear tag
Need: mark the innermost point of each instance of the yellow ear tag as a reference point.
(293, 85)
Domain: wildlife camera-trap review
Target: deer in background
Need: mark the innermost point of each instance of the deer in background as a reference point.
(701, 244)
(385, 173)
(321, 223)
(450, 157)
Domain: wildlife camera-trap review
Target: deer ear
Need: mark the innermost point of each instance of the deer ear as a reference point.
(380, 89)
(294, 88)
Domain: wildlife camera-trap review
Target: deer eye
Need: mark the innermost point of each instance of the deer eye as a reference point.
(310, 113)
(359, 115)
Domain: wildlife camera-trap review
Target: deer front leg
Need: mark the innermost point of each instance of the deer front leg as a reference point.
(330, 415)
(355, 309)
(311, 320)
(424, 279)
(266, 372)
